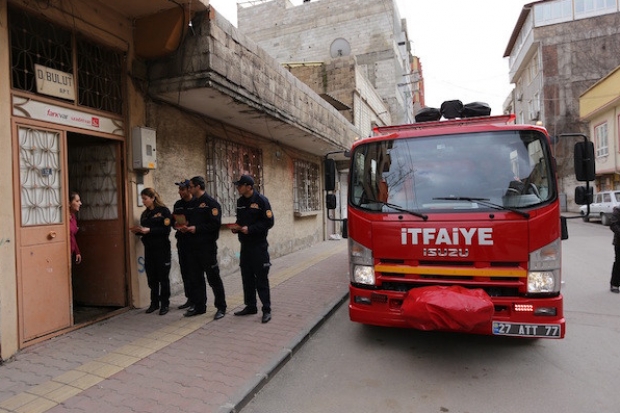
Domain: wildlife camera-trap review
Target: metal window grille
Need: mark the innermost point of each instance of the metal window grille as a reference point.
(37, 41)
(306, 186)
(93, 174)
(99, 77)
(226, 162)
(40, 177)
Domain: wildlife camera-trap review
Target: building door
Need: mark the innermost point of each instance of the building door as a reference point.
(44, 290)
(99, 283)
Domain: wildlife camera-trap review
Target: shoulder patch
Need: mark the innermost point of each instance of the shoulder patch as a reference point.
(215, 212)
(167, 222)
(269, 214)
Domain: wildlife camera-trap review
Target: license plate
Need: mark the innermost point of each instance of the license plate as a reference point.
(526, 330)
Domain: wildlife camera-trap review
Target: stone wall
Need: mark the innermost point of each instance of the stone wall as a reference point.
(306, 32)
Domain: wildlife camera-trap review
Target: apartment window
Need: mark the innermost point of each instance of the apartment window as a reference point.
(553, 12)
(587, 8)
(226, 162)
(306, 187)
(600, 136)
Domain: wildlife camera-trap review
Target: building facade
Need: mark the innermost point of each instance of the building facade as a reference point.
(599, 107)
(558, 49)
(107, 98)
(318, 31)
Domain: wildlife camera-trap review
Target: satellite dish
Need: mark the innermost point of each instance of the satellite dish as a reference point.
(340, 47)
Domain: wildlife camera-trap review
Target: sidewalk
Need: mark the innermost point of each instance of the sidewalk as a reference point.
(137, 362)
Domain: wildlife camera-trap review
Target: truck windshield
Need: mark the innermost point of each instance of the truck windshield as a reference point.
(509, 169)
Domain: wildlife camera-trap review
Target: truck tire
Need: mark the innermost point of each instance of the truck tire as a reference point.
(605, 220)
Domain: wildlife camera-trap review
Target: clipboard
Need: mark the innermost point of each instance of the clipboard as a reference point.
(180, 219)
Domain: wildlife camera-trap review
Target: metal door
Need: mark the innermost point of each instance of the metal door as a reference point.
(44, 286)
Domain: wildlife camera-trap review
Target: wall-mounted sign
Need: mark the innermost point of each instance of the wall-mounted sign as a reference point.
(53, 82)
(33, 109)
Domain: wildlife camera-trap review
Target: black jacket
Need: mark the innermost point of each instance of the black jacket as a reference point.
(615, 225)
(159, 220)
(182, 207)
(205, 213)
(255, 213)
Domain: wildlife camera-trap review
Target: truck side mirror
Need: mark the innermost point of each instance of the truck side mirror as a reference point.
(564, 226)
(584, 195)
(330, 174)
(584, 161)
(330, 201)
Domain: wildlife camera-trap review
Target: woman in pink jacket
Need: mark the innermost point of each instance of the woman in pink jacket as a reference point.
(74, 206)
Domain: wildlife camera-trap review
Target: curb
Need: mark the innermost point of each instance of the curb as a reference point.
(247, 393)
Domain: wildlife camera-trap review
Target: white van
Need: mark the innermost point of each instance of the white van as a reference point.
(601, 207)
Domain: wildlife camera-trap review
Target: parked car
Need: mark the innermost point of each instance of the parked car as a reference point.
(601, 207)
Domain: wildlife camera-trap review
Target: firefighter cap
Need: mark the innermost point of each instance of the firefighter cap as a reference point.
(244, 180)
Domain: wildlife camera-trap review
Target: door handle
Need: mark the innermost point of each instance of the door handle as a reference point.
(51, 235)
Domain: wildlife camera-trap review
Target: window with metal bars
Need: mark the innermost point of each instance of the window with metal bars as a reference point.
(38, 41)
(226, 162)
(306, 187)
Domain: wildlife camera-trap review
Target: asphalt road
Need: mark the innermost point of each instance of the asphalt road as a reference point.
(348, 367)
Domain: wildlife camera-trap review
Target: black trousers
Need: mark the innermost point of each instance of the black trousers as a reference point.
(202, 259)
(157, 267)
(182, 250)
(255, 264)
(615, 271)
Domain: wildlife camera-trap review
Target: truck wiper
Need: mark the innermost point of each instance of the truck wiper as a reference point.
(400, 209)
(483, 201)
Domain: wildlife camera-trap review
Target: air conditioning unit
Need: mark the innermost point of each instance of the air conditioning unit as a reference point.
(535, 115)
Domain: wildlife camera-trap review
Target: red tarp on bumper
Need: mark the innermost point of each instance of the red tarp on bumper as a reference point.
(451, 308)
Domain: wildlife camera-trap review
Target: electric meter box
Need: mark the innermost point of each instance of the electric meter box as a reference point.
(143, 148)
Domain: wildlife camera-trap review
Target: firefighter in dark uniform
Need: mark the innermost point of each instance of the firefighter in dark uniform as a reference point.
(254, 219)
(181, 213)
(154, 229)
(203, 230)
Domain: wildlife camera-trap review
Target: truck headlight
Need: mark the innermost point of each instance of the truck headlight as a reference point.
(363, 274)
(362, 265)
(540, 282)
(544, 269)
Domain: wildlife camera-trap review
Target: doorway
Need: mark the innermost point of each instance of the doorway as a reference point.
(99, 284)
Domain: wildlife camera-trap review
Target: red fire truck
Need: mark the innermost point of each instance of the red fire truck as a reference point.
(455, 226)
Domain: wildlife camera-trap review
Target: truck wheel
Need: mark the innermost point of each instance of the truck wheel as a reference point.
(605, 220)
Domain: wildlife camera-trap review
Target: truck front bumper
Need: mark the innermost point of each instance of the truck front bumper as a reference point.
(513, 316)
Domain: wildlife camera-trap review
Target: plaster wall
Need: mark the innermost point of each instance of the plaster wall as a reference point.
(601, 105)
(8, 279)
(603, 94)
